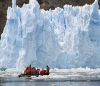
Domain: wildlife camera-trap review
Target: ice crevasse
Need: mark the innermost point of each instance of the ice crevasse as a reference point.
(67, 37)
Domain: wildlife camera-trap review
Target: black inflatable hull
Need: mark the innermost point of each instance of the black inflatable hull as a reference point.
(25, 75)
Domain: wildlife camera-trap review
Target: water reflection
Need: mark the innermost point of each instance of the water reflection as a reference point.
(29, 82)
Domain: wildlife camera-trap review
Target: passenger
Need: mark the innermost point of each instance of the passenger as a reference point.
(37, 72)
(48, 69)
(42, 72)
(33, 71)
(28, 70)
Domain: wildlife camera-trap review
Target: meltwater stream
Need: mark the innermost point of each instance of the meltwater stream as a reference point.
(67, 37)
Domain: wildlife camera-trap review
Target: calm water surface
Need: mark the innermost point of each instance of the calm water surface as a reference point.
(29, 82)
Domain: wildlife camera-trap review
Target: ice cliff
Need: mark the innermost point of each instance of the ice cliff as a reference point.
(60, 38)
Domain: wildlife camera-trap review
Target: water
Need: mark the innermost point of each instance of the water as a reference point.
(61, 38)
(29, 82)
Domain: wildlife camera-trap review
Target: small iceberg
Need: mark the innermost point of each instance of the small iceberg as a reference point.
(2, 69)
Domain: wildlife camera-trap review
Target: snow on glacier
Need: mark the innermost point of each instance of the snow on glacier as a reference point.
(67, 37)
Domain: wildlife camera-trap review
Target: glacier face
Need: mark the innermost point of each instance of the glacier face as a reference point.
(60, 38)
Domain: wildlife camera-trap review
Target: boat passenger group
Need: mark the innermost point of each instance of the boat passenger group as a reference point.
(32, 71)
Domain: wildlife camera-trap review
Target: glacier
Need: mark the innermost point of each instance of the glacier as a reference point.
(67, 37)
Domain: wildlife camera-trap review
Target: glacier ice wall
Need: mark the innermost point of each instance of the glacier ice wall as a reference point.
(60, 38)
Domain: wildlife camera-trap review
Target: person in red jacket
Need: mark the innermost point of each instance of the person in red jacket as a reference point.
(33, 71)
(45, 72)
(42, 72)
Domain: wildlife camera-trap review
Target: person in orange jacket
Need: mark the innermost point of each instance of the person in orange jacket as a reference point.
(28, 70)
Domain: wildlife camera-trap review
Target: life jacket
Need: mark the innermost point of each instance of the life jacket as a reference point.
(28, 71)
(42, 72)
